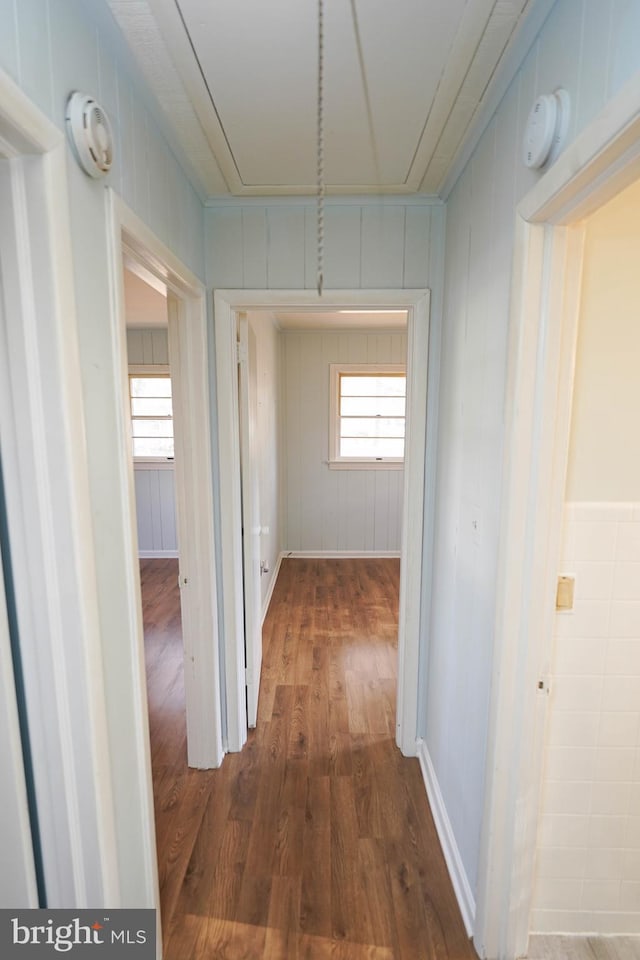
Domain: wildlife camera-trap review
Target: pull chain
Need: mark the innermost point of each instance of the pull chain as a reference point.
(320, 157)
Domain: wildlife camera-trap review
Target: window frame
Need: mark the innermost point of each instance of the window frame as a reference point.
(337, 462)
(150, 370)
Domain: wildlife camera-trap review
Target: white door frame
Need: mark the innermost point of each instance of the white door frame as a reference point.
(49, 512)
(604, 159)
(227, 303)
(188, 357)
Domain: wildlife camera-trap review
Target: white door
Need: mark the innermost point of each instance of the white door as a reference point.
(248, 408)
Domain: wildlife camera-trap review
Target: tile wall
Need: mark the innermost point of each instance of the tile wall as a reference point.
(588, 854)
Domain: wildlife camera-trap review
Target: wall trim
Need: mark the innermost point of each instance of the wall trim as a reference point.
(348, 200)
(158, 554)
(272, 585)
(452, 856)
(339, 554)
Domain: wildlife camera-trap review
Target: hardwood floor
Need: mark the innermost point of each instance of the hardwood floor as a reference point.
(316, 840)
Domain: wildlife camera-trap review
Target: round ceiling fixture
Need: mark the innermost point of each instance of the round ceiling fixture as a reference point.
(90, 133)
(546, 128)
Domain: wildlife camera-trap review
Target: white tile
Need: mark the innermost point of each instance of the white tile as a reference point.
(621, 693)
(581, 656)
(599, 512)
(636, 512)
(589, 618)
(611, 798)
(601, 895)
(618, 729)
(623, 658)
(626, 581)
(561, 921)
(625, 619)
(596, 541)
(570, 764)
(569, 729)
(630, 895)
(628, 545)
(614, 764)
(568, 542)
(605, 864)
(558, 894)
(594, 580)
(576, 693)
(634, 799)
(616, 923)
(561, 863)
(631, 865)
(633, 832)
(559, 797)
(563, 831)
(607, 832)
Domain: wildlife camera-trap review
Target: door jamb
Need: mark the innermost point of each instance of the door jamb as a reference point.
(226, 304)
(186, 309)
(602, 160)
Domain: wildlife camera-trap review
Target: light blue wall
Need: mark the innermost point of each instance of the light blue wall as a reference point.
(590, 47)
(51, 47)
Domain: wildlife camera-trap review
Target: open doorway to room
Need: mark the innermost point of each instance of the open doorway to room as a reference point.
(589, 827)
(153, 453)
(229, 307)
(322, 409)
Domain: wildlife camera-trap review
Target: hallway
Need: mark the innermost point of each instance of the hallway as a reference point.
(316, 841)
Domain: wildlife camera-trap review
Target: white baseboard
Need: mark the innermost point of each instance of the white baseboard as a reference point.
(458, 875)
(339, 554)
(272, 583)
(157, 554)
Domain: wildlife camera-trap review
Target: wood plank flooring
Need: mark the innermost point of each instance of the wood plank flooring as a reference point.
(316, 841)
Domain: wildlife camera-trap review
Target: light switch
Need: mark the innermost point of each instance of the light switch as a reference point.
(564, 593)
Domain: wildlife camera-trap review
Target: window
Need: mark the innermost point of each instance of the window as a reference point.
(367, 415)
(151, 415)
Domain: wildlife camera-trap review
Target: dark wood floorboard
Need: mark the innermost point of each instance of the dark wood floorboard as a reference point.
(316, 841)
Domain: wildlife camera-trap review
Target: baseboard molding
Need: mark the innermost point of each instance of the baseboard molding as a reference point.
(272, 583)
(458, 875)
(158, 554)
(339, 554)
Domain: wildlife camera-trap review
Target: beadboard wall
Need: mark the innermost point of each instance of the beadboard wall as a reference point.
(588, 853)
(155, 485)
(387, 243)
(590, 48)
(334, 511)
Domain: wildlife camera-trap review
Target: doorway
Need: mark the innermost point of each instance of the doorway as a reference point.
(227, 305)
(187, 354)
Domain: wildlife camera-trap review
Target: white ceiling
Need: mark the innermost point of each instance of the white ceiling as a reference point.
(340, 319)
(238, 82)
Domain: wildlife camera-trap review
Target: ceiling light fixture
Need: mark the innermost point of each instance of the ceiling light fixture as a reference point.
(320, 157)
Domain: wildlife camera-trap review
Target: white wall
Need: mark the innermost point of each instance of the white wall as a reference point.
(155, 485)
(269, 443)
(588, 855)
(590, 48)
(51, 47)
(334, 511)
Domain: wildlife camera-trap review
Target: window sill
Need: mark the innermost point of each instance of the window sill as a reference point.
(365, 464)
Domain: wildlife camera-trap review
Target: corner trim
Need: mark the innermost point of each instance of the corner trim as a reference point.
(459, 879)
